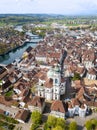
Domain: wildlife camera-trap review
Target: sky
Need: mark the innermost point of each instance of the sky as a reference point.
(65, 7)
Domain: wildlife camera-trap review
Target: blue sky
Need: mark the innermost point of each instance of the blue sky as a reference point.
(67, 7)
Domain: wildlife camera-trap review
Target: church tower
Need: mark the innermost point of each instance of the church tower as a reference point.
(56, 82)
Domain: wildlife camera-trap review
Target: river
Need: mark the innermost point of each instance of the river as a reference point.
(17, 53)
(11, 56)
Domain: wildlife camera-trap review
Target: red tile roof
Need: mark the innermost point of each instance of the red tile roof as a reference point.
(49, 83)
(22, 115)
(59, 106)
(37, 101)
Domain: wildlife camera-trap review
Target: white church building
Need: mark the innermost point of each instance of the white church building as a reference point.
(53, 85)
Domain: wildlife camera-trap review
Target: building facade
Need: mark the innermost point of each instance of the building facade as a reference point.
(53, 86)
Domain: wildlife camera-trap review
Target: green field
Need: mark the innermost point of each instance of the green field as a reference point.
(9, 19)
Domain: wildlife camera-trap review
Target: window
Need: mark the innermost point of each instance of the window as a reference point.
(47, 90)
(56, 81)
(41, 84)
(40, 94)
(55, 97)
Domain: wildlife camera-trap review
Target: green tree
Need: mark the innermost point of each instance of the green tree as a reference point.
(54, 123)
(91, 124)
(61, 122)
(51, 121)
(58, 128)
(94, 124)
(46, 126)
(36, 117)
(8, 95)
(88, 125)
(34, 126)
(73, 126)
(76, 77)
(1, 82)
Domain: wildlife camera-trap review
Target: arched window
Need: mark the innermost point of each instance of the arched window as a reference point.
(40, 94)
(56, 81)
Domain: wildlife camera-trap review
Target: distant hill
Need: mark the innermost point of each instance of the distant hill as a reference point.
(21, 19)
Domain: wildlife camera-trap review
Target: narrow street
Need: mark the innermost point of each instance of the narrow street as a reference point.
(12, 111)
(69, 90)
(46, 111)
(25, 126)
(81, 121)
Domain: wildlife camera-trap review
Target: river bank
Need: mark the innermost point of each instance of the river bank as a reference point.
(14, 48)
(34, 38)
(16, 53)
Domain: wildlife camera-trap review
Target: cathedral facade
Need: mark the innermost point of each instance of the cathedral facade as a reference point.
(53, 85)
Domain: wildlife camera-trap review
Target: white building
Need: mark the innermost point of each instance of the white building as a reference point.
(54, 85)
(59, 109)
(75, 108)
(82, 110)
(71, 110)
(91, 74)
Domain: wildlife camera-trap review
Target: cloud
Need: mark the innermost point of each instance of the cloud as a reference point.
(49, 6)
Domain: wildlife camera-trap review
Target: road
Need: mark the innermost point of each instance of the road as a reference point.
(25, 126)
(81, 121)
(69, 90)
(12, 111)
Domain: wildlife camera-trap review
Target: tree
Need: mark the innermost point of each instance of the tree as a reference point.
(47, 126)
(36, 117)
(51, 121)
(94, 122)
(58, 128)
(88, 125)
(34, 126)
(60, 122)
(8, 95)
(54, 123)
(91, 124)
(73, 126)
(76, 77)
(1, 82)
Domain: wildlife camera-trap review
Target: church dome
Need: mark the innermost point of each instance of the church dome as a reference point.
(50, 73)
(57, 68)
